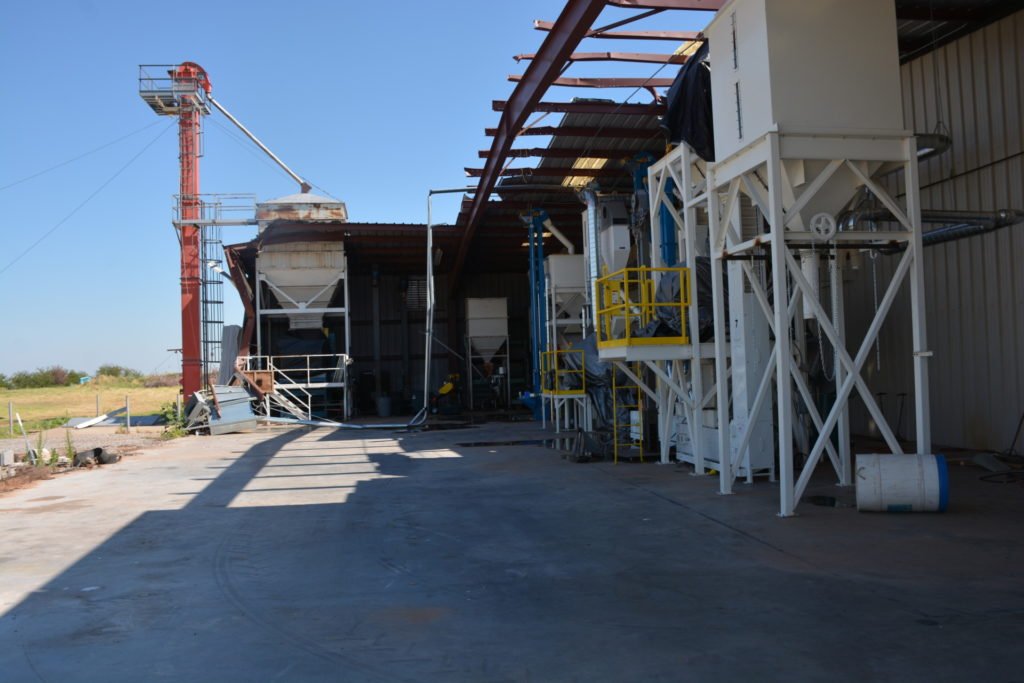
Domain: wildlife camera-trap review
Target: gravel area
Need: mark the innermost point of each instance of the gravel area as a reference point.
(92, 437)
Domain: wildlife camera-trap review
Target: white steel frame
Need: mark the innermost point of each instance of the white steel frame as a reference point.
(758, 172)
(304, 307)
(674, 382)
(567, 411)
(473, 357)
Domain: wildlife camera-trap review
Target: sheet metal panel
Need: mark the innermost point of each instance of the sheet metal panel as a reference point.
(975, 287)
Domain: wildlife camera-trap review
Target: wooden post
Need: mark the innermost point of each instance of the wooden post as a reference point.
(128, 412)
(97, 404)
(10, 417)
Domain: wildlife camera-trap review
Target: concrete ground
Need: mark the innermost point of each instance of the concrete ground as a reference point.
(296, 555)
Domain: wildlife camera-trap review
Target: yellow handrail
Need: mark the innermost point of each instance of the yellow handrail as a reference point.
(555, 370)
(627, 302)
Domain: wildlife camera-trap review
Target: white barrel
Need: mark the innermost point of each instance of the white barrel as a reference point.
(902, 483)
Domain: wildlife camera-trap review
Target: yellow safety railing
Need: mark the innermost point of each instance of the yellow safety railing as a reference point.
(555, 371)
(627, 303)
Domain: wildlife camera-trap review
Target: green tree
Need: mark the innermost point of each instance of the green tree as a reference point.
(118, 371)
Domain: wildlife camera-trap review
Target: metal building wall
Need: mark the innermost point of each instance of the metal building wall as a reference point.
(975, 287)
(401, 382)
(515, 288)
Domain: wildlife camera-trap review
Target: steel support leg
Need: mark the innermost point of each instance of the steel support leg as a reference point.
(783, 350)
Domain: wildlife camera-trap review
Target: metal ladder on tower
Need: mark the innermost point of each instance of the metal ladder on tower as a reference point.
(634, 425)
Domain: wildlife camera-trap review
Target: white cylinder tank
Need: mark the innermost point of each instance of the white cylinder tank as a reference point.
(902, 483)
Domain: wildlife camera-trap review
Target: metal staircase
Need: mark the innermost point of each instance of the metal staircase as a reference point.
(287, 389)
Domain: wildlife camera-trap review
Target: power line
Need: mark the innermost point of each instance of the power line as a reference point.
(262, 157)
(86, 200)
(80, 156)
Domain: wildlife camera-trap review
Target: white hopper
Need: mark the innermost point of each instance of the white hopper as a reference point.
(779, 67)
(613, 234)
(566, 276)
(486, 326)
(303, 275)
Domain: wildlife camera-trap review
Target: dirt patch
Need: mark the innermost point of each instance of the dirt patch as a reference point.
(119, 445)
(54, 507)
(25, 476)
(94, 437)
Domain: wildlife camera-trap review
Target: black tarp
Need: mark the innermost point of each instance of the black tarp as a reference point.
(688, 117)
(668, 322)
(599, 384)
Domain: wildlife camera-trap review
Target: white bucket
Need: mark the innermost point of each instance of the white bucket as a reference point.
(902, 483)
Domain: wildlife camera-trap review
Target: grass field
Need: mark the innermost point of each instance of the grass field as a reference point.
(50, 407)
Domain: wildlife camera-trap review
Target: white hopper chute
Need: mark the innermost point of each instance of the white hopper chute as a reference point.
(303, 277)
(486, 326)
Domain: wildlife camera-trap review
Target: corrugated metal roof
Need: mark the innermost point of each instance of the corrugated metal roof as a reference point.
(923, 25)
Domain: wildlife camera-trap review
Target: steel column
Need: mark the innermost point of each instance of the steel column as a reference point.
(783, 349)
(186, 77)
(718, 220)
(922, 413)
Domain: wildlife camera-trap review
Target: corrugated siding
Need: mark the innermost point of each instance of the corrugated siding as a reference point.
(975, 287)
(391, 305)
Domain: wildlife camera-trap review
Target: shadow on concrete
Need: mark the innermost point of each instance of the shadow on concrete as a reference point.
(458, 564)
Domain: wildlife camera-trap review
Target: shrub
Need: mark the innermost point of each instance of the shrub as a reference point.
(58, 376)
(169, 379)
(69, 447)
(175, 424)
(53, 376)
(118, 371)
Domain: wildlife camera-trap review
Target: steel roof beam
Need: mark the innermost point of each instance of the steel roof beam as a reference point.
(576, 18)
(551, 172)
(650, 109)
(605, 82)
(674, 36)
(637, 57)
(512, 217)
(527, 188)
(585, 132)
(706, 5)
(556, 153)
(523, 205)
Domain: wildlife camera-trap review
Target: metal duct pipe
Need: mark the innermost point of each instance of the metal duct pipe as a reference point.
(958, 224)
(931, 145)
(550, 227)
(951, 233)
(591, 198)
(997, 219)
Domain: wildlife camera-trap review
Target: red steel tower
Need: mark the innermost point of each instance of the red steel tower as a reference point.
(183, 92)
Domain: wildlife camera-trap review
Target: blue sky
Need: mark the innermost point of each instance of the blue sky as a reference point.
(374, 102)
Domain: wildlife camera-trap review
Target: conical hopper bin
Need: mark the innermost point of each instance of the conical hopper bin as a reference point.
(486, 326)
(303, 273)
